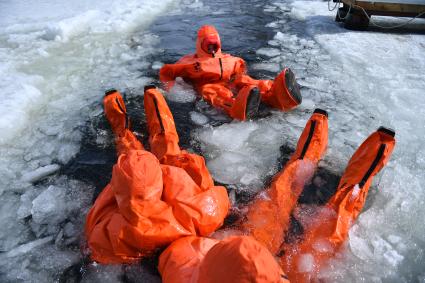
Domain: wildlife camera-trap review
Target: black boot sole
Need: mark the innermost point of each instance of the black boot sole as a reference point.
(387, 131)
(292, 86)
(252, 103)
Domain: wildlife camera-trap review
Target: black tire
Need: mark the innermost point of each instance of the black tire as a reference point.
(356, 20)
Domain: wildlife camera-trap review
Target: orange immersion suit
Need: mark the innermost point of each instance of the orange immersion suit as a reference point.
(329, 228)
(268, 217)
(221, 79)
(152, 199)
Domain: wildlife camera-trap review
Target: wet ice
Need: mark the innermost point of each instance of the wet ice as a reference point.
(53, 77)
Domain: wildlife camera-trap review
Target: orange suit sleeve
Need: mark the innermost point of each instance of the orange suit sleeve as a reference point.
(169, 72)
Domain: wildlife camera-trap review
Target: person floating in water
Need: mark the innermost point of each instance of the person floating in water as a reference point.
(222, 80)
(240, 256)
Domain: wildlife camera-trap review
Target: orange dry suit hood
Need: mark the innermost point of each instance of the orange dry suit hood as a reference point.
(240, 259)
(208, 43)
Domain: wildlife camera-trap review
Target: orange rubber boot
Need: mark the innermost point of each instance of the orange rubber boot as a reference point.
(116, 113)
(246, 103)
(285, 92)
(303, 260)
(268, 216)
(242, 107)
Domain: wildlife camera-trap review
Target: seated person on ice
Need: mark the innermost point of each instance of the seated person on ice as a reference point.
(160, 198)
(221, 79)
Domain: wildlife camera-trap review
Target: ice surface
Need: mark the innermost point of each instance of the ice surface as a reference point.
(49, 206)
(25, 248)
(198, 118)
(56, 59)
(268, 52)
(181, 92)
(248, 150)
(305, 263)
(269, 66)
(40, 173)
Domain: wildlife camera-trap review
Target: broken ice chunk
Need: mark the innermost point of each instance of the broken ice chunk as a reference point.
(269, 52)
(49, 206)
(355, 193)
(248, 178)
(26, 203)
(22, 249)
(39, 173)
(323, 246)
(198, 118)
(181, 92)
(267, 66)
(305, 263)
(157, 65)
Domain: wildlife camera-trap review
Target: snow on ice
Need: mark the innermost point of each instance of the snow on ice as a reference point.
(56, 59)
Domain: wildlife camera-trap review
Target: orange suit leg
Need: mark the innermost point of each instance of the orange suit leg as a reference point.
(218, 95)
(244, 80)
(234, 105)
(116, 113)
(268, 216)
(163, 137)
(164, 140)
(282, 93)
(325, 236)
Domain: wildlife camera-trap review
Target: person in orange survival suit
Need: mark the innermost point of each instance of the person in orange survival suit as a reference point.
(152, 198)
(268, 216)
(221, 79)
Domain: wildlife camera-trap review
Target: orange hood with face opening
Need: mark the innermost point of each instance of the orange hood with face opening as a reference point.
(207, 34)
